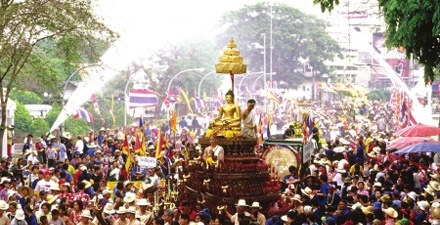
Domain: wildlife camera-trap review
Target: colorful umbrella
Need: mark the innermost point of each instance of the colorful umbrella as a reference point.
(418, 130)
(425, 146)
(405, 141)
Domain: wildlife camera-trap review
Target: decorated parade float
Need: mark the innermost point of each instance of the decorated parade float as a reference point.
(242, 174)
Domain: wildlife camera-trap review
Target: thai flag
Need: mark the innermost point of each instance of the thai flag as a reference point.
(83, 114)
(142, 98)
(199, 103)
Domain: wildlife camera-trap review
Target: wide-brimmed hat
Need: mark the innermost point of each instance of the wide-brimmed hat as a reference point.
(435, 185)
(86, 213)
(384, 198)
(367, 209)
(4, 205)
(4, 179)
(108, 208)
(51, 137)
(377, 184)
(297, 197)
(129, 197)
(143, 202)
(307, 192)
(121, 210)
(241, 202)
(106, 191)
(339, 149)
(428, 189)
(88, 184)
(102, 129)
(11, 127)
(412, 195)
(21, 189)
(391, 212)
(19, 214)
(51, 198)
(423, 205)
(55, 186)
(131, 210)
(256, 205)
(67, 135)
(435, 176)
(372, 154)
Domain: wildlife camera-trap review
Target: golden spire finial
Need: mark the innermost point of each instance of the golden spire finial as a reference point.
(231, 62)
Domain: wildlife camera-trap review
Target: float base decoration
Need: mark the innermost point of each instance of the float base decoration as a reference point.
(242, 175)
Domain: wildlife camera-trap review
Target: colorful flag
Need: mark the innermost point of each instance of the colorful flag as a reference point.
(268, 127)
(140, 144)
(185, 96)
(125, 147)
(173, 121)
(141, 122)
(142, 98)
(83, 114)
(96, 108)
(199, 103)
(260, 131)
(159, 143)
(272, 96)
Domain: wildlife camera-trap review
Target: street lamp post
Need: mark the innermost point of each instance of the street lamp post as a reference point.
(65, 85)
(126, 87)
(242, 79)
(203, 78)
(174, 77)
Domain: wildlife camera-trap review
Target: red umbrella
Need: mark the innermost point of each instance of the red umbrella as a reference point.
(418, 130)
(405, 141)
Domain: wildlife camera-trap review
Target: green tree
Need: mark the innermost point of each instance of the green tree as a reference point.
(23, 119)
(25, 97)
(191, 54)
(39, 127)
(32, 31)
(296, 37)
(52, 115)
(76, 126)
(412, 25)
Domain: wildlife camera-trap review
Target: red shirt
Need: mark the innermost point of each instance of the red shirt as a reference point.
(76, 176)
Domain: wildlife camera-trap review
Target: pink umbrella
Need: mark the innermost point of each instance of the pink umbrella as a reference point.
(418, 130)
(405, 141)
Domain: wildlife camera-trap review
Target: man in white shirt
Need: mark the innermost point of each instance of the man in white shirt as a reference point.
(249, 119)
(79, 145)
(45, 183)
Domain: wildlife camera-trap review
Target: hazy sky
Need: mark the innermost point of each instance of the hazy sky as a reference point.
(145, 25)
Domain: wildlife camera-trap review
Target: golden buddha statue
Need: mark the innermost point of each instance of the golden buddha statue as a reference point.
(229, 116)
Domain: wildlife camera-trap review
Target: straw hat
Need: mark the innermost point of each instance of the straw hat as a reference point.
(307, 192)
(423, 205)
(435, 185)
(377, 184)
(21, 189)
(27, 152)
(86, 213)
(435, 176)
(4, 205)
(127, 182)
(241, 202)
(297, 197)
(367, 209)
(412, 195)
(143, 202)
(131, 210)
(67, 135)
(51, 137)
(372, 154)
(428, 189)
(55, 186)
(88, 184)
(19, 214)
(102, 129)
(256, 205)
(391, 212)
(4, 179)
(129, 197)
(339, 149)
(384, 198)
(121, 210)
(108, 208)
(51, 198)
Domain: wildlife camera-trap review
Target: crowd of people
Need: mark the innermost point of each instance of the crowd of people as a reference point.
(353, 177)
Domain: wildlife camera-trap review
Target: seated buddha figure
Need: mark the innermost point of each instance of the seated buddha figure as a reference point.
(229, 115)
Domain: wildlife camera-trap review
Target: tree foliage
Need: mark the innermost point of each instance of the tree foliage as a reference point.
(411, 25)
(39, 127)
(33, 30)
(191, 54)
(23, 118)
(296, 37)
(25, 97)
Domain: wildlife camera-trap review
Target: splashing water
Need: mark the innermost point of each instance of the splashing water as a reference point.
(111, 63)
